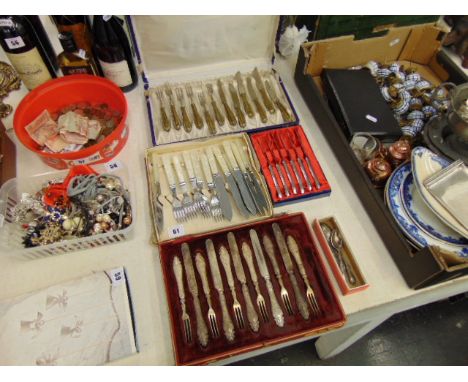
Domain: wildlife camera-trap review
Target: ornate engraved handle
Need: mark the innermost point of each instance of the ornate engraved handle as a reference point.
(196, 116)
(201, 268)
(294, 248)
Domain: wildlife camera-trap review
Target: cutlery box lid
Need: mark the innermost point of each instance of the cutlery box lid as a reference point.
(178, 49)
(161, 206)
(332, 317)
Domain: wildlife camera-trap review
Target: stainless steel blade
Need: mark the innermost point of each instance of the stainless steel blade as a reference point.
(257, 191)
(246, 197)
(223, 196)
(236, 195)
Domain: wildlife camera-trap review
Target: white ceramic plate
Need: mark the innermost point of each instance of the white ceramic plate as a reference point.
(415, 233)
(425, 163)
(423, 216)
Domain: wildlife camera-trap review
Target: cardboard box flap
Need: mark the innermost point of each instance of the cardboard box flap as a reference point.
(413, 43)
(173, 43)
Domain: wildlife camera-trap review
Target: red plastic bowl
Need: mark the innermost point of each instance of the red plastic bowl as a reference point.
(61, 92)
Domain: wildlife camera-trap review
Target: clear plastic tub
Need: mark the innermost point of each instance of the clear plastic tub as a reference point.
(11, 232)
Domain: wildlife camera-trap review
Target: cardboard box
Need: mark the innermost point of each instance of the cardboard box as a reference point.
(418, 47)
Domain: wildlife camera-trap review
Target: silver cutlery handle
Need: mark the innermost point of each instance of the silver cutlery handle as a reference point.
(252, 315)
(275, 307)
(270, 250)
(214, 267)
(294, 248)
(300, 301)
(314, 175)
(236, 258)
(290, 178)
(201, 268)
(304, 173)
(224, 257)
(283, 180)
(298, 176)
(177, 269)
(275, 182)
(202, 330)
(228, 325)
(283, 248)
(247, 253)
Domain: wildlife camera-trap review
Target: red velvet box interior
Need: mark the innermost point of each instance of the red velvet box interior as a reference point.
(332, 314)
(289, 143)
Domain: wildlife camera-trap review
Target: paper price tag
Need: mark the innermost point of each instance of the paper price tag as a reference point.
(117, 276)
(113, 166)
(176, 231)
(371, 118)
(15, 42)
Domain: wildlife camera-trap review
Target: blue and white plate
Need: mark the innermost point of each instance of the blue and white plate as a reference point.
(416, 234)
(423, 216)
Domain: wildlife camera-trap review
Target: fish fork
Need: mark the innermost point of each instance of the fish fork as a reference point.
(247, 254)
(166, 123)
(202, 330)
(177, 269)
(177, 209)
(199, 198)
(215, 204)
(201, 268)
(175, 116)
(228, 326)
(294, 248)
(197, 118)
(187, 201)
(224, 257)
(270, 250)
(209, 120)
(186, 121)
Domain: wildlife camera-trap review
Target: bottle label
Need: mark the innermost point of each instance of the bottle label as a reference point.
(15, 42)
(30, 67)
(117, 72)
(67, 70)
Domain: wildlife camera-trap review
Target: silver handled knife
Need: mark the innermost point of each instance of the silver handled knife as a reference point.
(252, 316)
(218, 181)
(228, 326)
(254, 186)
(243, 188)
(243, 95)
(280, 240)
(261, 88)
(231, 182)
(202, 330)
(237, 105)
(262, 266)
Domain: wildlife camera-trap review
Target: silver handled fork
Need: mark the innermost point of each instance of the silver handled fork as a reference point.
(199, 197)
(247, 253)
(187, 201)
(201, 268)
(294, 248)
(215, 204)
(177, 209)
(177, 269)
(197, 118)
(224, 257)
(166, 123)
(270, 250)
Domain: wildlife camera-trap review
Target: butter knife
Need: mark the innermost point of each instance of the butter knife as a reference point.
(252, 316)
(237, 105)
(258, 105)
(202, 330)
(257, 192)
(228, 326)
(262, 266)
(220, 188)
(261, 88)
(229, 113)
(246, 196)
(284, 111)
(280, 240)
(231, 182)
(243, 95)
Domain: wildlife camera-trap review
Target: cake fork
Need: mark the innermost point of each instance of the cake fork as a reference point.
(177, 269)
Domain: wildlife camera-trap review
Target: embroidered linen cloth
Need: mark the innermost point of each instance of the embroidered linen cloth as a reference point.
(86, 321)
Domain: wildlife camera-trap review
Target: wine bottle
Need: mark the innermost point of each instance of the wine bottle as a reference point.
(79, 26)
(113, 53)
(73, 60)
(24, 51)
